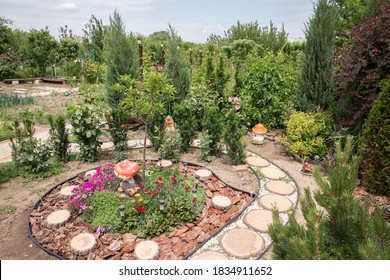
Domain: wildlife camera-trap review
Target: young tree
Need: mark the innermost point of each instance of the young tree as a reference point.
(177, 69)
(342, 227)
(93, 38)
(316, 81)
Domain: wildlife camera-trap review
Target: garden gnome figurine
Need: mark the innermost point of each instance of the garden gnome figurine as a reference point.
(169, 124)
(258, 132)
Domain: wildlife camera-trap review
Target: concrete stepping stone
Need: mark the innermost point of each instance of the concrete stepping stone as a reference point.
(221, 202)
(273, 173)
(258, 219)
(204, 174)
(164, 163)
(132, 143)
(146, 250)
(89, 173)
(280, 187)
(196, 143)
(242, 243)
(66, 193)
(83, 243)
(257, 161)
(270, 200)
(209, 255)
(57, 218)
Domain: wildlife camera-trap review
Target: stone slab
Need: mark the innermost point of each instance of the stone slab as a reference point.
(270, 200)
(273, 173)
(66, 192)
(221, 202)
(209, 255)
(146, 250)
(57, 218)
(204, 174)
(257, 161)
(83, 243)
(258, 219)
(280, 187)
(107, 145)
(164, 163)
(89, 173)
(242, 243)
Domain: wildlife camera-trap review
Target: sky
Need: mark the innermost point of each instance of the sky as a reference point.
(194, 20)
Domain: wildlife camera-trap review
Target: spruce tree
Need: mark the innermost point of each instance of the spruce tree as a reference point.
(342, 227)
(119, 57)
(316, 81)
(177, 69)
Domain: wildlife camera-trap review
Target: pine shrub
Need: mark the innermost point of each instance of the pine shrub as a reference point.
(337, 225)
(212, 132)
(375, 144)
(59, 137)
(186, 123)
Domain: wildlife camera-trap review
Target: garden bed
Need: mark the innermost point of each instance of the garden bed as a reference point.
(177, 244)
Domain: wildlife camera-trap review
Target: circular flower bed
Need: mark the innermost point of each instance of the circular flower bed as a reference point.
(170, 207)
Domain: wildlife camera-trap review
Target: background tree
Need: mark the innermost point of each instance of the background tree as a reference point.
(41, 49)
(316, 80)
(93, 38)
(7, 54)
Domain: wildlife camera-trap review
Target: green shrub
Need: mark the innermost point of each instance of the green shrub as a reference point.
(186, 123)
(169, 148)
(269, 84)
(375, 144)
(93, 72)
(8, 170)
(306, 134)
(59, 137)
(117, 122)
(212, 132)
(5, 132)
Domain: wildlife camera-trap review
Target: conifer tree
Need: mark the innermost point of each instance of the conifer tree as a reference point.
(342, 227)
(316, 81)
(177, 69)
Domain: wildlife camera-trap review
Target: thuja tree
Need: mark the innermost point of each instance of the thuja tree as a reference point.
(341, 226)
(316, 79)
(119, 57)
(212, 132)
(375, 143)
(177, 69)
(361, 64)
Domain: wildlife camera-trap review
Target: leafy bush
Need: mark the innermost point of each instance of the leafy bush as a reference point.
(8, 170)
(361, 63)
(169, 148)
(375, 144)
(269, 83)
(85, 116)
(6, 132)
(306, 134)
(186, 123)
(117, 122)
(12, 100)
(59, 137)
(93, 72)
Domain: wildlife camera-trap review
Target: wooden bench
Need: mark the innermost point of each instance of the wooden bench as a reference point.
(55, 80)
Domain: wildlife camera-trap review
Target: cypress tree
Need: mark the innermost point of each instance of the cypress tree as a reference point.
(316, 81)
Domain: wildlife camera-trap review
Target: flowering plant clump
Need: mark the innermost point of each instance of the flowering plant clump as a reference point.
(98, 201)
(306, 167)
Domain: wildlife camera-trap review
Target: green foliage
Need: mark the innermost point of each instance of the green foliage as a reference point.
(8, 62)
(13, 100)
(233, 132)
(340, 227)
(211, 132)
(59, 137)
(269, 83)
(316, 79)
(41, 49)
(93, 72)
(186, 123)
(169, 148)
(85, 116)
(117, 122)
(93, 38)
(306, 134)
(68, 49)
(375, 144)
(6, 132)
(177, 69)
(8, 170)
(120, 58)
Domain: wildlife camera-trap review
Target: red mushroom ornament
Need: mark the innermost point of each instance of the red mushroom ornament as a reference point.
(126, 170)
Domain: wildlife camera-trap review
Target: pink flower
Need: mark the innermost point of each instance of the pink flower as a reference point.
(123, 126)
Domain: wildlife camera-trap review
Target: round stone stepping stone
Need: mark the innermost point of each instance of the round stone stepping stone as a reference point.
(66, 192)
(273, 173)
(221, 202)
(242, 243)
(57, 218)
(204, 174)
(258, 219)
(256, 161)
(83, 243)
(196, 143)
(270, 200)
(280, 187)
(164, 163)
(132, 143)
(107, 145)
(90, 173)
(209, 255)
(146, 250)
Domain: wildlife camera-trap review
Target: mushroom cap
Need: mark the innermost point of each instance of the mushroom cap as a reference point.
(126, 169)
(259, 129)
